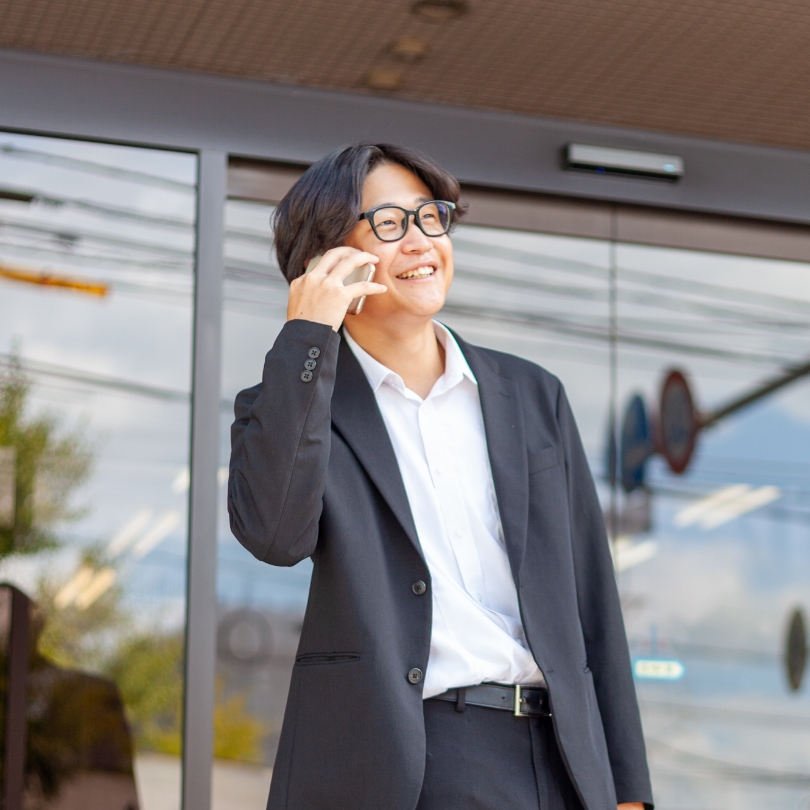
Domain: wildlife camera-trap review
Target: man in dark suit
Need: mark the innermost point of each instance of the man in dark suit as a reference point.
(463, 646)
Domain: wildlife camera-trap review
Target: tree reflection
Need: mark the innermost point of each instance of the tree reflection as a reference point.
(47, 466)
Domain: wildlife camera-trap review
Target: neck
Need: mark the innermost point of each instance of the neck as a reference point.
(411, 351)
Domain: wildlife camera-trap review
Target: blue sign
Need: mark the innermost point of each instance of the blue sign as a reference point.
(636, 445)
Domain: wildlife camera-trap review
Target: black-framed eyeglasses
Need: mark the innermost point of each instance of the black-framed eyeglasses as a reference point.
(390, 222)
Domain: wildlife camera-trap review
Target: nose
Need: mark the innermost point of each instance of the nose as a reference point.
(414, 240)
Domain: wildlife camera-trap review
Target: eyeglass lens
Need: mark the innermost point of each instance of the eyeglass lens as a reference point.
(391, 223)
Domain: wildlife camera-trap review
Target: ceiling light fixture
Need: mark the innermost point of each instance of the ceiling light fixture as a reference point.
(440, 10)
(384, 79)
(409, 49)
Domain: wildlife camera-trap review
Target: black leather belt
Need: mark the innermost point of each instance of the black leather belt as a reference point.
(522, 701)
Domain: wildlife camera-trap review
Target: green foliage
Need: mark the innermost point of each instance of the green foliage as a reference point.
(51, 465)
(81, 639)
(237, 735)
(148, 669)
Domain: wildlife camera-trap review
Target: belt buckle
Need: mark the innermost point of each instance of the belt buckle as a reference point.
(518, 702)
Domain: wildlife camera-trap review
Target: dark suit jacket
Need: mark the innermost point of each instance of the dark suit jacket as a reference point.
(313, 474)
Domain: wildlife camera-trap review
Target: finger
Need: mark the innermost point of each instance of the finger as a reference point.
(329, 259)
(361, 288)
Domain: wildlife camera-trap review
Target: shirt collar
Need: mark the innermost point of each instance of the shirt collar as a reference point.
(456, 367)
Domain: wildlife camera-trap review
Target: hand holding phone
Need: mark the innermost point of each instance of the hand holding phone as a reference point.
(332, 286)
(363, 273)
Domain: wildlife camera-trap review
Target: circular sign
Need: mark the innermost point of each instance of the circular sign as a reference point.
(679, 425)
(245, 636)
(636, 444)
(796, 649)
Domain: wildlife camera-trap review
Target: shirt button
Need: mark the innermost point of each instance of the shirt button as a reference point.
(415, 675)
(306, 376)
(418, 587)
(459, 533)
(310, 365)
(314, 352)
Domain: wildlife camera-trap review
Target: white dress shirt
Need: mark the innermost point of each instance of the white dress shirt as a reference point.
(441, 449)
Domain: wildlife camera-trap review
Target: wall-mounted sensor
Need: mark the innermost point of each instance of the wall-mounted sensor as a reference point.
(606, 160)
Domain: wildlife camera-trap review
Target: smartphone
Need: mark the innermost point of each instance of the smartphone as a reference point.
(363, 273)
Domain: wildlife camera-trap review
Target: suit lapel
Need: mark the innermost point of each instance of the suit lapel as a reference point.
(356, 416)
(506, 443)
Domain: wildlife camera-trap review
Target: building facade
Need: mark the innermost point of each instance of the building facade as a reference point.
(139, 293)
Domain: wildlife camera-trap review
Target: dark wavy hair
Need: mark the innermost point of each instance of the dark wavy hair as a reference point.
(323, 207)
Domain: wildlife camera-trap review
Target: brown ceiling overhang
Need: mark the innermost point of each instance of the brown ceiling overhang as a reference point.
(719, 69)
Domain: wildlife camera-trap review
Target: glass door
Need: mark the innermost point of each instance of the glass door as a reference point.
(96, 293)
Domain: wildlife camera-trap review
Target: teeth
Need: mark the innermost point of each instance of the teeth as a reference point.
(419, 272)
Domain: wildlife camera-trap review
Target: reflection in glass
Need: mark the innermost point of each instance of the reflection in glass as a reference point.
(96, 281)
(713, 584)
(73, 748)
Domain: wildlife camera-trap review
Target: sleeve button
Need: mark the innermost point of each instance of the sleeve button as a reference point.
(314, 352)
(418, 587)
(306, 376)
(310, 365)
(415, 675)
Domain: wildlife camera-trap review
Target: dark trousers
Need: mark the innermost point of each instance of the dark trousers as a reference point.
(487, 759)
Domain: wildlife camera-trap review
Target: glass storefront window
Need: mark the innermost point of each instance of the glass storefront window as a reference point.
(96, 284)
(712, 564)
(714, 581)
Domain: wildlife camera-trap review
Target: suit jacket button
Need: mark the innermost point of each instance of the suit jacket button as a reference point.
(418, 587)
(415, 675)
(306, 376)
(310, 365)
(314, 352)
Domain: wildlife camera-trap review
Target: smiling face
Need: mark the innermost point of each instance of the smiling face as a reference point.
(418, 269)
